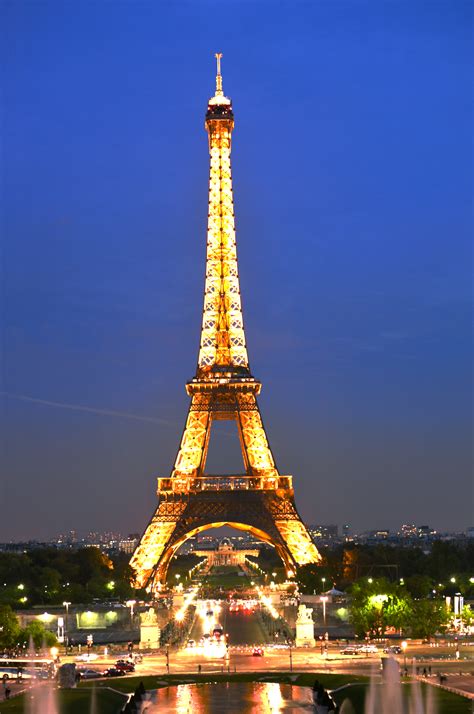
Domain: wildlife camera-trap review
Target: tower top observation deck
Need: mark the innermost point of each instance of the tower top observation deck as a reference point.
(219, 106)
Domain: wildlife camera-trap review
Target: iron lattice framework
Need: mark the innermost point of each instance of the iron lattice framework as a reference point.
(261, 500)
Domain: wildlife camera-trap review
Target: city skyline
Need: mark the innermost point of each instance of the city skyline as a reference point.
(356, 294)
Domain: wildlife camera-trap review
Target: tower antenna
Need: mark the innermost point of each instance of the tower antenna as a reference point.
(219, 91)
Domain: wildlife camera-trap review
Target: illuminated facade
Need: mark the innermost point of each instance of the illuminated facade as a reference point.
(226, 554)
(261, 500)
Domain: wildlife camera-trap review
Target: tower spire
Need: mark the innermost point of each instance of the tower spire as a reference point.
(219, 91)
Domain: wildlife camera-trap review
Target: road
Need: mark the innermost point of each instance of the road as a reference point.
(241, 627)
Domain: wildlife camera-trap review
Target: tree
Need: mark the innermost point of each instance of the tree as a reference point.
(419, 586)
(37, 633)
(378, 604)
(9, 627)
(429, 617)
(467, 616)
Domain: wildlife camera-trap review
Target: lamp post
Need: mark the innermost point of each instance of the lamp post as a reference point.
(324, 599)
(130, 604)
(404, 650)
(66, 605)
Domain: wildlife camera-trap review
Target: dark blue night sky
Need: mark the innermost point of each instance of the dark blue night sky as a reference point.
(352, 166)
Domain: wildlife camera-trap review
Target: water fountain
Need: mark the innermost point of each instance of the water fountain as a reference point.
(390, 696)
(93, 708)
(41, 697)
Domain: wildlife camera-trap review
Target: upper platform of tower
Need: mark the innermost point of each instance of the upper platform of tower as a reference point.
(219, 106)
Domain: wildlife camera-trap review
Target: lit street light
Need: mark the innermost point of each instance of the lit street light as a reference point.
(324, 599)
(130, 604)
(404, 649)
(66, 605)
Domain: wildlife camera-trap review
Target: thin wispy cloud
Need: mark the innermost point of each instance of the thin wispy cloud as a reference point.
(89, 410)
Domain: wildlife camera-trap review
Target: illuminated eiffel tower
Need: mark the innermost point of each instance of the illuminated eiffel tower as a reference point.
(260, 501)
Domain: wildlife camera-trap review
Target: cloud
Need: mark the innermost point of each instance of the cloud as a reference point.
(89, 410)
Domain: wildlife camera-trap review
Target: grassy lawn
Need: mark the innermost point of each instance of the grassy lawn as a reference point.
(445, 702)
(73, 701)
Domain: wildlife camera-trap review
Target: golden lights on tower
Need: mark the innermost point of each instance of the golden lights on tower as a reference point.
(223, 388)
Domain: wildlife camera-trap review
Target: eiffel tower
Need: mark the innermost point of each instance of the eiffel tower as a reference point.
(260, 501)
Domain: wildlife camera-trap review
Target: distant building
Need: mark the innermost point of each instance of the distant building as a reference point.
(128, 545)
(318, 532)
(408, 530)
(226, 554)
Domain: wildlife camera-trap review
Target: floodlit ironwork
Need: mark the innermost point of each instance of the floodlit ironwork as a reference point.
(260, 501)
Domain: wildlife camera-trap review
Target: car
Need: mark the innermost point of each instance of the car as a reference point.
(126, 666)
(114, 672)
(368, 649)
(257, 652)
(392, 649)
(350, 650)
(191, 643)
(209, 613)
(84, 673)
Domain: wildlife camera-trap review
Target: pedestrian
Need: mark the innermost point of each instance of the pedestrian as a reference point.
(429, 670)
(425, 673)
(7, 692)
(199, 669)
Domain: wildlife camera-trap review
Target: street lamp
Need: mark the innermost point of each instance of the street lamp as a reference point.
(404, 650)
(130, 604)
(324, 599)
(66, 605)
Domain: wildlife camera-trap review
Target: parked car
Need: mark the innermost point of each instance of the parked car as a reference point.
(114, 672)
(126, 666)
(84, 673)
(191, 643)
(257, 652)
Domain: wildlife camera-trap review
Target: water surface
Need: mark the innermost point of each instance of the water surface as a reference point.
(227, 698)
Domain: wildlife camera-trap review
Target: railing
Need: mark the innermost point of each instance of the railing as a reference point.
(196, 484)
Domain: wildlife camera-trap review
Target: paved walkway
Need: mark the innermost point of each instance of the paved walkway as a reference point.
(462, 684)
